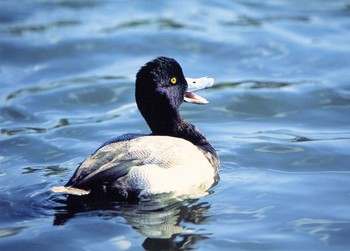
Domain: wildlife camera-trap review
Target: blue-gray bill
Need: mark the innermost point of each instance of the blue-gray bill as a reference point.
(196, 84)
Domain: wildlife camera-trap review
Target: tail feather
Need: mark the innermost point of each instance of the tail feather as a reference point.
(70, 190)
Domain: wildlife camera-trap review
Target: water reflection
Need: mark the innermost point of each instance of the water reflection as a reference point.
(162, 220)
(161, 24)
(21, 30)
(256, 84)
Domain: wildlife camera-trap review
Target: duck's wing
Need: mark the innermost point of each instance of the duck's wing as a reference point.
(108, 163)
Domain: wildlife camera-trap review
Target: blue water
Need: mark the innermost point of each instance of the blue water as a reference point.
(278, 116)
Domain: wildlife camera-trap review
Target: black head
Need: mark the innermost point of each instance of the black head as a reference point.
(160, 90)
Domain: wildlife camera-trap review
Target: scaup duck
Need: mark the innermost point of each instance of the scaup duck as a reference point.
(175, 158)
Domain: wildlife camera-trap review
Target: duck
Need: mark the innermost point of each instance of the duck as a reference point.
(175, 158)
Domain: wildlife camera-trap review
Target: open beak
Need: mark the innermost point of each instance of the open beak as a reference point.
(196, 84)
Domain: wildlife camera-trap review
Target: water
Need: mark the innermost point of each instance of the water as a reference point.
(278, 116)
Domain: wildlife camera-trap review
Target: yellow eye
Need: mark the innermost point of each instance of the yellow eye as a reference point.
(173, 80)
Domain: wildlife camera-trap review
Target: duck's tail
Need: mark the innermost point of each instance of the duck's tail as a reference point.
(70, 190)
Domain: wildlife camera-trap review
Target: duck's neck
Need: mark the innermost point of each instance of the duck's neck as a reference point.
(171, 123)
(176, 126)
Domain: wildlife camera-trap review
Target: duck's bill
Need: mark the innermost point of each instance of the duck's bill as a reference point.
(196, 84)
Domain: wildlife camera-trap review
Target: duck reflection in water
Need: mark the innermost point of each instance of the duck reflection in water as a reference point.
(162, 220)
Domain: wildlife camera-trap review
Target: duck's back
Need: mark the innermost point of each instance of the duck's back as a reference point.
(146, 165)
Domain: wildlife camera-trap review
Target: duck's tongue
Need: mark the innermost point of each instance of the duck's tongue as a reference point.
(195, 84)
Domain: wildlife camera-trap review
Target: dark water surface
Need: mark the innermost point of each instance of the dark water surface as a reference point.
(279, 116)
